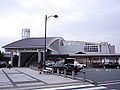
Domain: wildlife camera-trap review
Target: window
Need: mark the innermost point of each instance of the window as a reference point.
(91, 48)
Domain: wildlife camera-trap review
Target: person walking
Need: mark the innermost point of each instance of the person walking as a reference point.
(75, 66)
(9, 64)
(40, 67)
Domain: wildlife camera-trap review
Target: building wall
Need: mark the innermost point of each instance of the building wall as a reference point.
(72, 47)
(105, 48)
(112, 49)
(86, 47)
(55, 45)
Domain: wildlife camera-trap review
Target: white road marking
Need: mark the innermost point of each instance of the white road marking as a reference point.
(67, 87)
(109, 81)
(98, 70)
(93, 88)
(108, 84)
(108, 70)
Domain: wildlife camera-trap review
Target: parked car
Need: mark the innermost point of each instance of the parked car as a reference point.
(80, 65)
(59, 65)
(49, 63)
(3, 65)
(68, 64)
(109, 65)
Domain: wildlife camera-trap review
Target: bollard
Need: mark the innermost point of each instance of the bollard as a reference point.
(33, 67)
(30, 66)
(58, 73)
(73, 74)
(52, 71)
(84, 76)
(64, 72)
(36, 67)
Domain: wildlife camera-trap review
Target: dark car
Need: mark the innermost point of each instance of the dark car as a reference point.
(3, 64)
(59, 65)
(109, 65)
(68, 64)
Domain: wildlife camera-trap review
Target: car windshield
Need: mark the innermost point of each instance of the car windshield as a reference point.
(58, 63)
(52, 62)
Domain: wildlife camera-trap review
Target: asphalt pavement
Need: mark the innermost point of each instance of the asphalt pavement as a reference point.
(109, 78)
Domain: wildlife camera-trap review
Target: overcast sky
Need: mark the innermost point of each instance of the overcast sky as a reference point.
(81, 20)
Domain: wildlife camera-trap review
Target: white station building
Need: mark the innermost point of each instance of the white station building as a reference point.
(31, 50)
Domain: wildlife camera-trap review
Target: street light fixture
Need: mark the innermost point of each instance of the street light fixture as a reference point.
(46, 18)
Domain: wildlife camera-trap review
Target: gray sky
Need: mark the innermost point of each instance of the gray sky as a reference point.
(81, 20)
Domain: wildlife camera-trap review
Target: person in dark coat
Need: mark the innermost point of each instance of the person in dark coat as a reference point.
(40, 67)
(75, 66)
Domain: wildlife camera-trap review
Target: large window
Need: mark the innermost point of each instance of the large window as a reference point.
(91, 48)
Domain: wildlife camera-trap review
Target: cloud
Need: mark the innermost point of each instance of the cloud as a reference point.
(85, 20)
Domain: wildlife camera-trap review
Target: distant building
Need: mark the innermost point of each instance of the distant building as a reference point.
(25, 33)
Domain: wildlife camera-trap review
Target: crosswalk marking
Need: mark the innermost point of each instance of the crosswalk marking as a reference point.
(67, 87)
(93, 88)
(75, 87)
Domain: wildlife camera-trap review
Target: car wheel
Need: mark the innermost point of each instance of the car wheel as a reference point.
(61, 71)
(104, 67)
(118, 67)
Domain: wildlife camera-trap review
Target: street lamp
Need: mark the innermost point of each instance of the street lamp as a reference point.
(46, 18)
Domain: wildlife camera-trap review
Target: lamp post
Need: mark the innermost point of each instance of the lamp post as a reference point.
(46, 18)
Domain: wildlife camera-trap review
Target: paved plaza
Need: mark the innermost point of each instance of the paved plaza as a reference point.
(25, 77)
(28, 79)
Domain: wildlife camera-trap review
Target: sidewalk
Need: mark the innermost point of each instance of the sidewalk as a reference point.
(25, 78)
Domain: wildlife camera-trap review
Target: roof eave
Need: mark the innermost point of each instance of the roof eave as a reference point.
(22, 47)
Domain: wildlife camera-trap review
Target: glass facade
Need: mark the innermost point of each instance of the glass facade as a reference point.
(91, 48)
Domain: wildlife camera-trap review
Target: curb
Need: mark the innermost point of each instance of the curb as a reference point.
(81, 79)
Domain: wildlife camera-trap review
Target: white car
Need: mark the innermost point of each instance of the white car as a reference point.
(81, 65)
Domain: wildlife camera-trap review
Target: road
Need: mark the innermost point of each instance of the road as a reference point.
(109, 78)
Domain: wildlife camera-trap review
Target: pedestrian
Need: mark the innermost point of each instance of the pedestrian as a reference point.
(40, 67)
(75, 66)
(9, 66)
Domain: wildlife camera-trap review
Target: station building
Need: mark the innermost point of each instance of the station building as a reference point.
(78, 47)
(31, 50)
